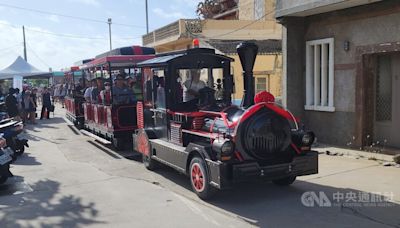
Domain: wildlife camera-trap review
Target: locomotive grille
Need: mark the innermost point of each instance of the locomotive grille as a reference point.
(264, 135)
(265, 143)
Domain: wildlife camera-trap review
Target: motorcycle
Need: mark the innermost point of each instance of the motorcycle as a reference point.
(6, 155)
(11, 130)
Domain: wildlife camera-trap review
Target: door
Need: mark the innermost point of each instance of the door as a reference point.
(159, 110)
(387, 101)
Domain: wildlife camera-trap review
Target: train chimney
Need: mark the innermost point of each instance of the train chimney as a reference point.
(247, 53)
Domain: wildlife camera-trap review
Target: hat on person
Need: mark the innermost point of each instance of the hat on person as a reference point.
(107, 83)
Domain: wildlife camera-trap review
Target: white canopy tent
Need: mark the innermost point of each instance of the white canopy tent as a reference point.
(20, 69)
(23, 69)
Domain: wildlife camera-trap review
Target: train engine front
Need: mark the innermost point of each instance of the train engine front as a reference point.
(260, 138)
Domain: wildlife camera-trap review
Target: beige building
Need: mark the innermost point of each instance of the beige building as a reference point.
(223, 27)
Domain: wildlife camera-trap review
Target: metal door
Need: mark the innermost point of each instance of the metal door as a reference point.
(387, 101)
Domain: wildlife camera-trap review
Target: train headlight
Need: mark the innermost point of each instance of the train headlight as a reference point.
(227, 148)
(308, 139)
(224, 149)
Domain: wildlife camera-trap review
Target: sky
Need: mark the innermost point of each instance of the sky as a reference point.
(79, 39)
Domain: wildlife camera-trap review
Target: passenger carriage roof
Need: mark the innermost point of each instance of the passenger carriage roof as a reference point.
(171, 57)
(117, 61)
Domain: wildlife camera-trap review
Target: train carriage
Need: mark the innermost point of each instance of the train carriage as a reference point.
(74, 98)
(113, 122)
(187, 121)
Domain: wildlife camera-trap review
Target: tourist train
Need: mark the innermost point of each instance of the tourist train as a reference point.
(179, 113)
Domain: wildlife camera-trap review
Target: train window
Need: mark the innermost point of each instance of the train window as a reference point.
(153, 85)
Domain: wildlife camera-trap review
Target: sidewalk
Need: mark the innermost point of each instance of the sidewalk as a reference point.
(337, 151)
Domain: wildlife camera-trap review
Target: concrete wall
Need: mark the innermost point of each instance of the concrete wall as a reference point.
(312, 7)
(362, 26)
(264, 63)
(246, 9)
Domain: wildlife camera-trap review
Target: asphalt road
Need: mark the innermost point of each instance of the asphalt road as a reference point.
(68, 180)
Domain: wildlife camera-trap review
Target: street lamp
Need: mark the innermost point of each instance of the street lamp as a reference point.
(109, 31)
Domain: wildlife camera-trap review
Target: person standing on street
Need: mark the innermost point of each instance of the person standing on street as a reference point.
(32, 107)
(46, 104)
(12, 104)
(63, 93)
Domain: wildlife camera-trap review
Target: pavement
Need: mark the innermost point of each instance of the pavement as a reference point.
(66, 179)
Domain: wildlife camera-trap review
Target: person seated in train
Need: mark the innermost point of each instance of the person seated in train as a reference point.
(121, 92)
(88, 92)
(78, 91)
(192, 86)
(135, 86)
(105, 94)
(160, 102)
(96, 90)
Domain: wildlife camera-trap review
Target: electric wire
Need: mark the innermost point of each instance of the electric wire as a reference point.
(37, 56)
(70, 35)
(67, 16)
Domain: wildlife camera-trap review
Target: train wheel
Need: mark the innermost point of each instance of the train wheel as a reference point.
(118, 143)
(149, 163)
(285, 181)
(200, 179)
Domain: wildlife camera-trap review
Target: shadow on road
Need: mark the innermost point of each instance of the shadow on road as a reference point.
(267, 205)
(26, 159)
(44, 207)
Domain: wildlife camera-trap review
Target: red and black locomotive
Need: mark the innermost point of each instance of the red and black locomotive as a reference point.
(187, 121)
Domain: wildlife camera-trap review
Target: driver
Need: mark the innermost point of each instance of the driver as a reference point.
(192, 86)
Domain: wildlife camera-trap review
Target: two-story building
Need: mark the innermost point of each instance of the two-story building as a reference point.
(222, 27)
(341, 72)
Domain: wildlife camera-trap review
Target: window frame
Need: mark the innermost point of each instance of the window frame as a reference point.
(326, 75)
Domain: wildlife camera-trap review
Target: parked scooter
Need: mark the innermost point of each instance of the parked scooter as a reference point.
(5, 160)
(11, 130)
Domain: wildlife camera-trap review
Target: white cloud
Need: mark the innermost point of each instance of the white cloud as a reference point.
(53, 18)
(53, 51)
(174, 14)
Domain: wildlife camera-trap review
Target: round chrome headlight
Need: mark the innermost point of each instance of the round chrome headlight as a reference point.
(307, 139)
(227, 148)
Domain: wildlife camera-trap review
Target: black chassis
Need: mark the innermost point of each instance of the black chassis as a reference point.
(224, 174)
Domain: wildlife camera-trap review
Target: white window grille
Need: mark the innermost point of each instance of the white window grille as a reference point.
(320, 75)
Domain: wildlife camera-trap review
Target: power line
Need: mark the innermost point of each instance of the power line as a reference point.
(37, 56)
(10, 47)
(67, 16)
(69, 35)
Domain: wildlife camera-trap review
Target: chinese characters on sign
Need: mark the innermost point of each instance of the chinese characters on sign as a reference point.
(349, 198)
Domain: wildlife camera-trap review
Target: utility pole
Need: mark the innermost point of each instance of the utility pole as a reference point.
(23, 34)
(147, 18)
(109, 31)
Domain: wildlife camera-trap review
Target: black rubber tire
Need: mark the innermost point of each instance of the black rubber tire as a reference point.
(118, 143)
(207, 191)
(149, 163)
(19, 151)
(4, 175)
(3, 179)
(285, 181)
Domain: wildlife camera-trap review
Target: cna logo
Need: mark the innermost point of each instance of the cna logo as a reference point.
(312, 199)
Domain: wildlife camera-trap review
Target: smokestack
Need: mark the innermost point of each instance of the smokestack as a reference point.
(247, 53)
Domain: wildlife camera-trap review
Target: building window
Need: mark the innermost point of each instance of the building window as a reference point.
(320, 75)
(259, 9)
(261, 84)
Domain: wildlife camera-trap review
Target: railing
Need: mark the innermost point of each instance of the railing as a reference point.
(182, 27)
